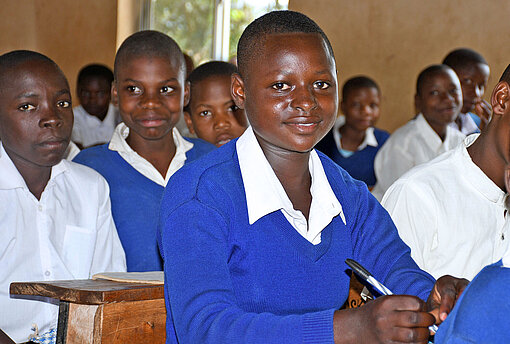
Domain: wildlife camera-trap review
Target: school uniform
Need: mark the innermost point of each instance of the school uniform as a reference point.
(412, 144)
(88, 130)
(468, 125)
(450, 214)
(240, 264)
(359, 164)
(135, 190)
(481, 313)
(68, 234)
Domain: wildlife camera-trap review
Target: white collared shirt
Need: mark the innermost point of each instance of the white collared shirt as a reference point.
(410, 145)
(468, 125)
(119, 144)
(68, 234)
(450, 214)
(265, 194)
(88, 130)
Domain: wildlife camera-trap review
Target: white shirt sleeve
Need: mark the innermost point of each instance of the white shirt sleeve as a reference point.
(390, 164)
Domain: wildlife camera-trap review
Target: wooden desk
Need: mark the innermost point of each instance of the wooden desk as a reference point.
(100, 311)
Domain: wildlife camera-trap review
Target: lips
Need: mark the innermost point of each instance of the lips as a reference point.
(304, 125)
(222, 139)
(150, 122)
(54, 143)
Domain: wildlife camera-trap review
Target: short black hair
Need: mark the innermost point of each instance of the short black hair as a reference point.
(506, 75)
(206, 70)
(13, 58)
(428, 72)
(358, 82)
(274, 22)
(149, 43)
(95, 70)
(460, 58)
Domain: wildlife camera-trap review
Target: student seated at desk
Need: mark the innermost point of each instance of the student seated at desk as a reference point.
(439, 100)
(255, 234)
(473, 71)
(211, 114)
(146, 148)
(451, 211)
(55, 218)
(96, 117)
(354, 144)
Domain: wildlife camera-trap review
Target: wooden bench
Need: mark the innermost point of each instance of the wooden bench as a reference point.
(101, 311)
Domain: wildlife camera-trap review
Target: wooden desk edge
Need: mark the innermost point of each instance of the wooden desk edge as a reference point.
(92, 292)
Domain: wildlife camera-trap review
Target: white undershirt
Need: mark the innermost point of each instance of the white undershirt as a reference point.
(265, 194)
(119, 144)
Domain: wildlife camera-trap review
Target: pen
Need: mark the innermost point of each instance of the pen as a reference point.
(367, 276)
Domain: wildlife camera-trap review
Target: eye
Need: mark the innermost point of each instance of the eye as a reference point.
(467, 81)
(356, 105)
(134, 89)
(64, 104)
(26, 107)
(321, 85)
(374, 105)
(280, 86)
(166, 89)
(234, 108)
(205, 113)
(434, 92)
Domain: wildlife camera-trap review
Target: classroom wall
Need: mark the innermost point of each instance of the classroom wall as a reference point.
(72, 33)
(392, 41)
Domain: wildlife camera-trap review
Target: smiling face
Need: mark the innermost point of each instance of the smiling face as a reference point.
(214, 116)
(440, 98)
(473, 80)
(36, 116)
(361, 108)
(289, 91)
(94, 95)
(150, 93)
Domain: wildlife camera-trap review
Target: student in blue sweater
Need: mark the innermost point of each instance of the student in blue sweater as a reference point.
(146, 148)
(354, 143)
(255, 234)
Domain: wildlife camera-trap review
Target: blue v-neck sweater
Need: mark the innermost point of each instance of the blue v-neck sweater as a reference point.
(135, 202)
(227, 281)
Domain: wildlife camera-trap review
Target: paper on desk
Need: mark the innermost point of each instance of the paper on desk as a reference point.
(148, 277)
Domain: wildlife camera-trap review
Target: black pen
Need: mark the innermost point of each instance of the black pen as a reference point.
(367, 276)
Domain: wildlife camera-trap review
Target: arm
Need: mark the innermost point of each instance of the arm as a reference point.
(108, 255)
(199, 290)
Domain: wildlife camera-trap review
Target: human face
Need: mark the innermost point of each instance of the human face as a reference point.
(150, 93)
(94, 95)
(36, 117)
(440, 98)
(289, 92)
(214, 116)
(361, 108)
(473, 80)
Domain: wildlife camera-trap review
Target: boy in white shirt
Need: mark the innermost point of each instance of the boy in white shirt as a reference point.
(55, 217)
(439, 100)
(452, 210)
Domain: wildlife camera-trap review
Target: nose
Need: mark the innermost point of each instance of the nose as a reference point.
(51, 118)
(479, 89)
(367, 110)
(304, 99)
(150, 100)
(221, 120)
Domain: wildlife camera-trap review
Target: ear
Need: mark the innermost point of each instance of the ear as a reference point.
(342, 107)
(115, 96)
(189, 123)
(500, 98)
(237, 90)
(186, 93)
(417, 103)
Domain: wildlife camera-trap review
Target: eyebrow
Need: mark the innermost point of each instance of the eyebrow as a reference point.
(35, 95)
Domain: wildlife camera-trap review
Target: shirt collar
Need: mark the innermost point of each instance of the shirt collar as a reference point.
(477, 177)
(369, 139)
(426, 131)
(12, 179)
(264, 192)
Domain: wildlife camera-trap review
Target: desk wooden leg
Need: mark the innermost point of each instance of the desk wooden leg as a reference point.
(63, 316)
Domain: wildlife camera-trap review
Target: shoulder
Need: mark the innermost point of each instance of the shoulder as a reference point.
(92, 154)
(84, 175)
(381, 135)
(200, 147)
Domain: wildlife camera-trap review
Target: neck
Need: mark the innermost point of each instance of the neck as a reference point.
(484, 154)
(36, 177)
(440, 129)
(293, 172)
(351, 138)
(158, 152)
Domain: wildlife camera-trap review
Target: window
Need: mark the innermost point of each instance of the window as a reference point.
(207, 29)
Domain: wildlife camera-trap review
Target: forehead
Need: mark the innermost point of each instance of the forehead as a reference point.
(479, 70)
(31, 75)
(441, 77)
(164, 65)
(96, 80)
(211, 89)
(281, 50)
(362, 91)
